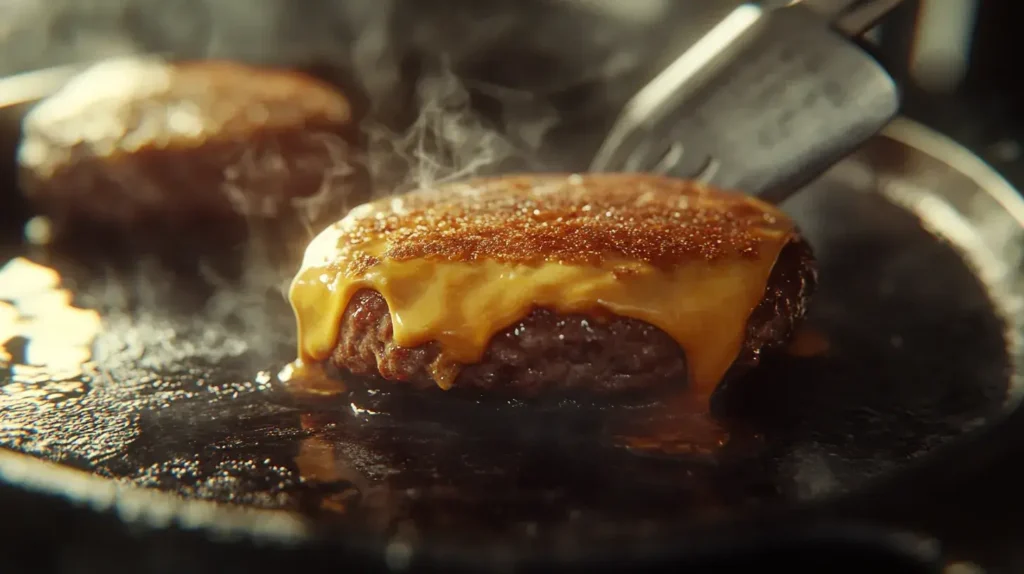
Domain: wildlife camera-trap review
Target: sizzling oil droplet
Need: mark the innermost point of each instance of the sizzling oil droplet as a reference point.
(680, 425)
(310, 380)
(808, 342)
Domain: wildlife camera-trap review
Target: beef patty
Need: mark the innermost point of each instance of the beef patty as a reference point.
(551, 353)
(547, 352)
(154, 147)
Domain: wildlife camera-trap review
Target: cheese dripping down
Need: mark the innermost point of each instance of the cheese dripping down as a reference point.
(459, 264)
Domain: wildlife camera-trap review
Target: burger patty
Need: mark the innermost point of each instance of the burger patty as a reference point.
(152, 147)
(549, 353)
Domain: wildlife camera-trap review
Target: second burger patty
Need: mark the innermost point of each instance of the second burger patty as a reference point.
(549, 353)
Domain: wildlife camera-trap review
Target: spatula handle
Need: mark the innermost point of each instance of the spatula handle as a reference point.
(852, 17)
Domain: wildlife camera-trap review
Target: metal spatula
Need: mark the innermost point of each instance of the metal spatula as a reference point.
(764, 102)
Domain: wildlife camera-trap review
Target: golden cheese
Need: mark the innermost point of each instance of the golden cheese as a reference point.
(462, 286)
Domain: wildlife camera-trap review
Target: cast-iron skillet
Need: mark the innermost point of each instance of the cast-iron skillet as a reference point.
(175, 435)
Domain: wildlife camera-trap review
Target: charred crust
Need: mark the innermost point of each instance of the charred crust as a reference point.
(568, 219)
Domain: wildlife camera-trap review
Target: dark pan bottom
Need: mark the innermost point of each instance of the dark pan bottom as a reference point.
(179, 395)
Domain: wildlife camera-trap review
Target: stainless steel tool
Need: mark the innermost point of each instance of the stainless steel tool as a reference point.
(763, 102)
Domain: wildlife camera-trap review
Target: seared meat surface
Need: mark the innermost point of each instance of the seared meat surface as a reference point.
(152, 147)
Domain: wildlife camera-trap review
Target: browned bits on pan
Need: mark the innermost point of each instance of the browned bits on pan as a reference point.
(569, 219)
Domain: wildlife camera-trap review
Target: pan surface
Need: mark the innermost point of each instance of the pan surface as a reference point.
(155, 396)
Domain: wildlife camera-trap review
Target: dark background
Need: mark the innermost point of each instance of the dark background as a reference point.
(980, 518)
(986, 110)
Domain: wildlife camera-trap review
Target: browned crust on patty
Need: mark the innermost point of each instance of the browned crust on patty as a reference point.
(563, 218)
(551, 353)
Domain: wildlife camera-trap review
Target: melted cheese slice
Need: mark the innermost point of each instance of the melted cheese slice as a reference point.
(703, 305)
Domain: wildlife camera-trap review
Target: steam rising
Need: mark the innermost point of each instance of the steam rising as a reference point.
(448, 141)
(423, 125)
